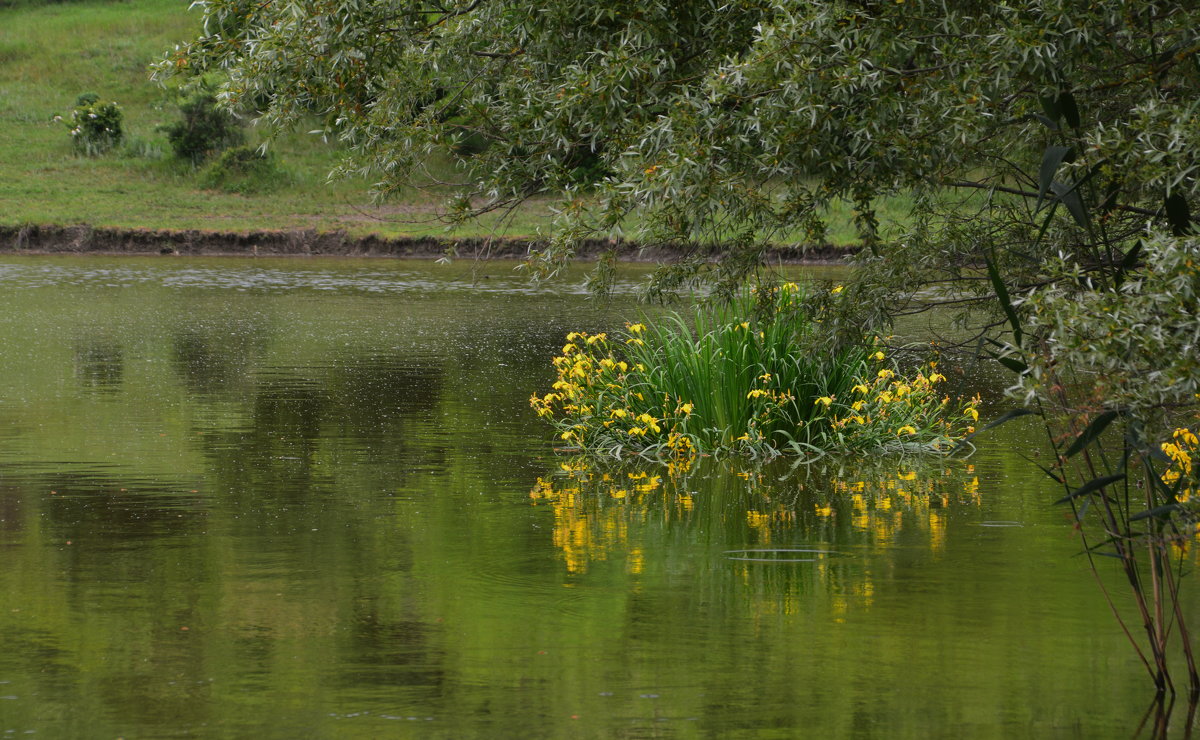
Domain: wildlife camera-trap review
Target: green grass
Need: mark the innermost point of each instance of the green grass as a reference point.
(51, 53)
(749, 379)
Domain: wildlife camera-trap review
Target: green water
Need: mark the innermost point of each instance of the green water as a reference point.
(305, 498)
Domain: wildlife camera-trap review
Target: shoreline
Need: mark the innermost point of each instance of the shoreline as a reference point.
(83, 239)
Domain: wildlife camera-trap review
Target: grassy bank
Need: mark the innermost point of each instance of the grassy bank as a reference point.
(49, 54)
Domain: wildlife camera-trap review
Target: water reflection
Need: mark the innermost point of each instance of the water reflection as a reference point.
(308, 499)
(784, 533)
(214, 357)
(99, 363)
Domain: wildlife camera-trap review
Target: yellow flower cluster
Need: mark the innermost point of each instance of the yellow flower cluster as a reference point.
(1182, 449)
(596, 400)
(902, 408)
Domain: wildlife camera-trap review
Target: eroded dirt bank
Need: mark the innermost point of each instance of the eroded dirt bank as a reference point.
(84, 239)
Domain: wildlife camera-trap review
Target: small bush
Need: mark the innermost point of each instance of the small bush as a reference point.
(204, 129)
(752, 386)
(95, 125)
(244, 170)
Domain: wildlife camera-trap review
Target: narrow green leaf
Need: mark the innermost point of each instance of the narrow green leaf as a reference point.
(1013, 364)
(1094, 430)
(1069, 196)
(1070, 111)
(1047, 122)
(1052, 159)
(1046, 222)
(1156, 511)
(1091, 486)
(1006, 417)
(1057, 479)
(1005, 302)
(1128, 263)
(1178, 214)
(1053, 112)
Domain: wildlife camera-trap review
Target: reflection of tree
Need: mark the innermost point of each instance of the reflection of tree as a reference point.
(91, 510)
(214, 357)
(11, 510)
(376, 396)
(384, 649)
(288, 443)
(99, 362)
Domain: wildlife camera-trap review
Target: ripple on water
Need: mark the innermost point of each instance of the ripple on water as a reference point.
(341, 277)
(783, 555)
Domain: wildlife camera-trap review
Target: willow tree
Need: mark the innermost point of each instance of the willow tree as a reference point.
(1049, 147)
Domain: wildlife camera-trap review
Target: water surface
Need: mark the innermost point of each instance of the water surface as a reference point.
(307, 498)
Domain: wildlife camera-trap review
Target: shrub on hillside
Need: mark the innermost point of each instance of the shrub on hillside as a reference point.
(95, 125)
(204, 128)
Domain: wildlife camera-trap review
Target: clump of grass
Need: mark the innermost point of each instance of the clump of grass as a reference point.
(743, 378)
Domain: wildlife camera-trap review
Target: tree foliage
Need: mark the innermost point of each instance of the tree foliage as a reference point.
(1053, 142)
(1047, 136)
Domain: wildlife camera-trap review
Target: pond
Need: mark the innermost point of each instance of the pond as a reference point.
(308, 498)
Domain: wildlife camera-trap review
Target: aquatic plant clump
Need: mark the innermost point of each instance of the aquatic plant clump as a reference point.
(749, 386)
